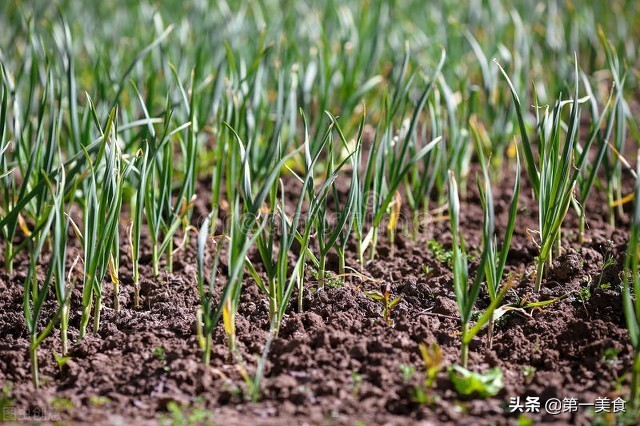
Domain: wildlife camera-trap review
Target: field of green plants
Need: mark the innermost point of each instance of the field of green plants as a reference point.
(360, 212)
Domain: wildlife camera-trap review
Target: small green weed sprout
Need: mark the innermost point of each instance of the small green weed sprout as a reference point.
(469, 383)
(433, 361)
(385, 299)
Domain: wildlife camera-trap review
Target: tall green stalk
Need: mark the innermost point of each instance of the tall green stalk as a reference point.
(102, 205)
(496, 259)
(554, 175)
(631, 285)
(59, 263)
(35, 292)
(466, 295)
(589, 173)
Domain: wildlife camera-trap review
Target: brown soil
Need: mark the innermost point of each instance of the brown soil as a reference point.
(338, 362)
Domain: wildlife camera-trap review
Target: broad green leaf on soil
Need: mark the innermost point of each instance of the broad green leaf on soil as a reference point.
(469, 383)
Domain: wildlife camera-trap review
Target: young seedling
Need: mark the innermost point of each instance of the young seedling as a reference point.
(347, 213)
(554, 176)
(280, 282)
(468, 383)
(164, 216)
(431, 174)
(102, 205)
(274, 229)
(146, 197)
(35, 294)
(589, 173)
(614, 147)
(391, 162)
(136, 223)
(207, 303)
(458, 148)
(334, 236)
(367, 185)
(59, 261)
(243, 233)
(383, 296)
(433, 361)
(466, 295)
(317, 205)
(26, 196)
(6, 174)
(496, 259)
